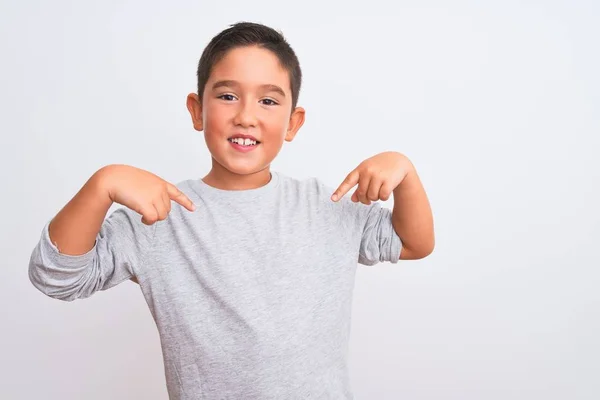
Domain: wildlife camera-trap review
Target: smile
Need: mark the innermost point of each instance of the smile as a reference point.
(243, 145)
(243, 142)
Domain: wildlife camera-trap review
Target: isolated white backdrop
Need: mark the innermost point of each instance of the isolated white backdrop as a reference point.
(497, 105)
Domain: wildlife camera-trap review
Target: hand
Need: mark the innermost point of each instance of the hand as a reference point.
(377, 177)
(142, 191)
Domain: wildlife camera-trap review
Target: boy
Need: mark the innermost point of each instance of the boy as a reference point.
(250, 277)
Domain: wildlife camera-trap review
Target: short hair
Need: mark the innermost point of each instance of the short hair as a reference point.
(244, 34)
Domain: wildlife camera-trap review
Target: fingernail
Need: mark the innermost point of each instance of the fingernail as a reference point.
(334, 197)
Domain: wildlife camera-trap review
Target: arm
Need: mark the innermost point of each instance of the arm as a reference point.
(75, 228)
(391, 172)
(81, 252)
(412, 218)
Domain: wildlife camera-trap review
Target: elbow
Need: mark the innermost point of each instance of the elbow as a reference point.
(56, 282)
(50, 289)
(427, 252)
(408, 253)
(429, 249)
(62, 277)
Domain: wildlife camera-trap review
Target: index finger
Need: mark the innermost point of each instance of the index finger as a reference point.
(179, 197)
(348, 183)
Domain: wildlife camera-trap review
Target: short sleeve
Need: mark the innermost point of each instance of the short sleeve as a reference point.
(379, 240)
(119, 250)
(368, 226)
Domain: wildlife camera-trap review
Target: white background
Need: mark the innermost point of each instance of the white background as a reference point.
(497, 106)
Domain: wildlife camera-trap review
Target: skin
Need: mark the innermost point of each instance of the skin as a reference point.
(248, 92)
(75, 228)
(390, 173)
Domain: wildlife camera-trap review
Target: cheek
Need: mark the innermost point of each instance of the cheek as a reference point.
(278, 124)
(215, 119)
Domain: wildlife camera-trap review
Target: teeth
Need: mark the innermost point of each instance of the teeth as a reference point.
(244, 142)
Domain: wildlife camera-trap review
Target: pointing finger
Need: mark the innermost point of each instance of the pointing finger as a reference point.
(179, 197)
(348, 183)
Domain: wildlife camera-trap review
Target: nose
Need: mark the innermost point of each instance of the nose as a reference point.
(245, 117)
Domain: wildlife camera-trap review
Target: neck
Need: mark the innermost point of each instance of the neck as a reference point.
(221, 178)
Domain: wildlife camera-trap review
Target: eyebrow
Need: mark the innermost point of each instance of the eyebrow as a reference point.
(230, 83)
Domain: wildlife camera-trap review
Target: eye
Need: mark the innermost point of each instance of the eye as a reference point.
(226, 97)
(269, 102)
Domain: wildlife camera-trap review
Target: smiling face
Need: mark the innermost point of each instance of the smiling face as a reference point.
(246, 111)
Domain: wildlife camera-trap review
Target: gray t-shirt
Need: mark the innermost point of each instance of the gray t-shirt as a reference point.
(251, 293)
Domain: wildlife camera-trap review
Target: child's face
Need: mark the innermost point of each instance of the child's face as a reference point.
(248, 93)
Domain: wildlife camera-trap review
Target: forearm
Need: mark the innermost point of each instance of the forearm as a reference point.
(75, 228)
(412, 218)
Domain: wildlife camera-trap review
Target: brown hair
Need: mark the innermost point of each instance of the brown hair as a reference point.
(250, 34)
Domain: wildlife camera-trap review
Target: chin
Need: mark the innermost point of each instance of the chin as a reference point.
(245, 168)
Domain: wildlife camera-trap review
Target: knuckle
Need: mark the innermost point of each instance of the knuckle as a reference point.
(161, 214)
(149, 214)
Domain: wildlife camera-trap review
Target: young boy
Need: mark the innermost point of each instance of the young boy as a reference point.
(249, 274)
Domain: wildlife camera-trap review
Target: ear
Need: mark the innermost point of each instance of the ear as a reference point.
(296, 122)
(194, 106)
